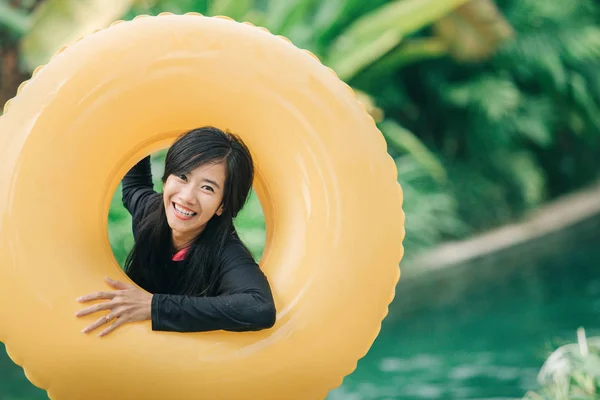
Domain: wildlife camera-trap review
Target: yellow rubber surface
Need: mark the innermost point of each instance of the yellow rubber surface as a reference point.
(328, 189)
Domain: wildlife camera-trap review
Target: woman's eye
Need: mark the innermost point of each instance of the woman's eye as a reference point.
(182, 177)
(208, 188)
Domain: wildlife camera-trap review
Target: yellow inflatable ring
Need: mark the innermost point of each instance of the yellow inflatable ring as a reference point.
(328, 188)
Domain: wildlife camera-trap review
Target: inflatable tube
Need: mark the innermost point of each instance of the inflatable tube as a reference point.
(328, 188)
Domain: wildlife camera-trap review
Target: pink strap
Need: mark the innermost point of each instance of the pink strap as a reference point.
(180, 255)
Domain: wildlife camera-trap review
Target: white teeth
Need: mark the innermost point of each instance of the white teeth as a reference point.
(183, 212)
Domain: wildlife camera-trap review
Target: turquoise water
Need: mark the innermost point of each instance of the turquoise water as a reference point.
(488, 344)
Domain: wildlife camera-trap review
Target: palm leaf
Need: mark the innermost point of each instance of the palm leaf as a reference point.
(342, 13)
(404, 15)
(410, 51)
(155, 7)
(13, 19)
(235, 9)
(376, 33)
(327, 14)
(282, 15)
(365, 55)
(56, 23)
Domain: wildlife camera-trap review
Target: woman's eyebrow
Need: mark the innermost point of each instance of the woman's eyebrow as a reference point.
(211, 182)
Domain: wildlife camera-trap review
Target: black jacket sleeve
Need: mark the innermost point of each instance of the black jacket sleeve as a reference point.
(244, 301)
(138, 189)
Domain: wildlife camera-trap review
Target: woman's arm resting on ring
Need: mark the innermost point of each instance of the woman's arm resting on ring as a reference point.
(236, 312)
(244, 301)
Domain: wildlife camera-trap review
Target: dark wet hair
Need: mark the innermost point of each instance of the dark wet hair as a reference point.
(147, 262)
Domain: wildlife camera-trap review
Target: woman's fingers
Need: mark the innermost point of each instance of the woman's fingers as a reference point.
(112, 327)
(117, 284)
(98, 296)
(104, 320)
(127, 304)
(94, 308)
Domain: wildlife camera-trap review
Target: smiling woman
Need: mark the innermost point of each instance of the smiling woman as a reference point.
(187, 253)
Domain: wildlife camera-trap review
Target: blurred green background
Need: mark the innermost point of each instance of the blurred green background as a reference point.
(491, 110)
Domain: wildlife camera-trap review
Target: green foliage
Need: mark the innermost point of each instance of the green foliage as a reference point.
(516, 130)
(119, 229)
(429, 206)
(56, 23)
(571, 372)
(250, 224)
(476, 144)
(404, 141)
(13, 19)
(235, 9)
(374, 34)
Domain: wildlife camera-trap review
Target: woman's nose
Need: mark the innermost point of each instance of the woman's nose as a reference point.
(187, 194)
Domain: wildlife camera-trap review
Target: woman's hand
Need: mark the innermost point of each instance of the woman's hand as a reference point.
(127, 304)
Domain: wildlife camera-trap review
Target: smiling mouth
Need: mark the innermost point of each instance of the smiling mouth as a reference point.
(183, 212)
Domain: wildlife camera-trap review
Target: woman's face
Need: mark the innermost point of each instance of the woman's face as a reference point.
(192, 199)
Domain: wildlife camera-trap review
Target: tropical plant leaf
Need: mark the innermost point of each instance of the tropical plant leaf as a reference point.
(13, 19)
(282, 15)
(56, 23)
(376, 33)
(155, 7)
(408, 52)
(475, 95)
(535, 121)
(327, 14)
(570, 372)
(405, 140)
(431, 207)
(581, 45)
(235, 9)
(528, 178)
(584, 99)
(406, 16)
(366, 55)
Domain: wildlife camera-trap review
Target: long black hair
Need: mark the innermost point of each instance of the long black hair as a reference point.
(150, 257)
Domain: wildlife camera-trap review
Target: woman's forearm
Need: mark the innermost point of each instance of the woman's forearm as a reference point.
(235, 312)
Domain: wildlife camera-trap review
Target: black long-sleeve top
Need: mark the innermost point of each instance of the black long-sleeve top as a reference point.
(242, 299)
